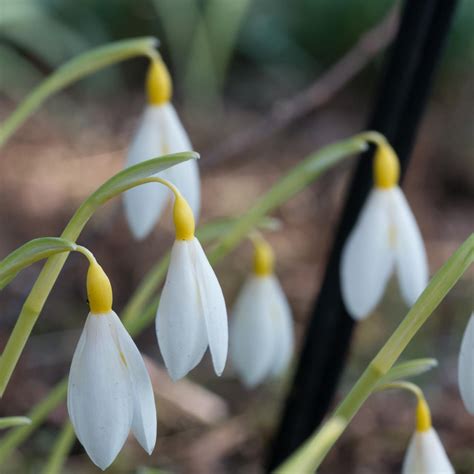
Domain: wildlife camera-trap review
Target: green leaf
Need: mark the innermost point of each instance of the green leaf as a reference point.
(407, 369)
(29, 253)
(129, 177)
(73, 70)
(11, 421)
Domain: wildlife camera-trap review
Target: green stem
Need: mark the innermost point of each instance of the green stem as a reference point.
(304, 459)
(402, 385)
(73, 70)
(60, 450)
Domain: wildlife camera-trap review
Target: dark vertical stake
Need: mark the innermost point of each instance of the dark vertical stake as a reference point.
(400, 103)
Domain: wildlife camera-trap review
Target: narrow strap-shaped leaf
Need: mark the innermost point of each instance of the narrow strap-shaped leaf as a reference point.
(29, 253)
(410, 368)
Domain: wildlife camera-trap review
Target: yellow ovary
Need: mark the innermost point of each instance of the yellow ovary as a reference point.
(99, 290)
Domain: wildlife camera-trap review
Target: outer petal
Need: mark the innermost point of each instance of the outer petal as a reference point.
(180, 326)
(367, 258)
(426, 455)
(144, 204)
(185, 175)
(283, 326)
(412, 266)
(252, 339)
(144, 408)
(99, 393)
(466, 367)
(213, 307)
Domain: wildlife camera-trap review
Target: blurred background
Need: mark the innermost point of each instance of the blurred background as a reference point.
(243, 75)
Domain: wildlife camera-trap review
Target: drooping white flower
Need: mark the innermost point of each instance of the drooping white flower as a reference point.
(425, 454)
(385, 239)
(192, 313)
(466, 367)
(160, 132)
(261, 331)
(109, 389)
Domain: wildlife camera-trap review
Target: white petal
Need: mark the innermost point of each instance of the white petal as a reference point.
(283, 326)
(213, 306)
(185, 175)
(412, 266)
(426, 455)
(99, 392)
(252, 339)
(144, 204)
(367, 258)
(466, 367)
(144, 408)
(180, 326)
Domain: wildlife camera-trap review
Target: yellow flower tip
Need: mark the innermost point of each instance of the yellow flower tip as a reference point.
(183, 219)
(263, 258)
(386, 167)
(158, 83)
(99, 290)
(423, 416)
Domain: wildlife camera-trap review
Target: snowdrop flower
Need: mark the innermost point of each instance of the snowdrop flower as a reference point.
(425, 454)
(109, 389)
(192, 313)
(160, 132)
(466, 367)
(385, 239)
(261, 335)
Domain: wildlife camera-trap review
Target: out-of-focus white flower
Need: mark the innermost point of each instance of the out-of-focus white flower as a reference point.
(192, 314)
(160, 132)
(385, 239)
(425, 454)
(109, 389)
(466, 367)
(261, 331)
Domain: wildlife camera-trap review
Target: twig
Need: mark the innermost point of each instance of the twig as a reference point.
(321, 91)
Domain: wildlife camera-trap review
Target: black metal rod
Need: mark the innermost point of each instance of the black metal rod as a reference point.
(400, 103)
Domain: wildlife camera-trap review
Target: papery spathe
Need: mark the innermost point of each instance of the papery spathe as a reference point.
(261, 332)
(160, 132)
(109, 391)
(385, 238)
(192, 314)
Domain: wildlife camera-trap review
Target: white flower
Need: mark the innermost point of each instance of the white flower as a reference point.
(385, 239)
(426, 455)
(192, 312)
(160, 132)
(109, 389)
(261, 334)
(466, 367)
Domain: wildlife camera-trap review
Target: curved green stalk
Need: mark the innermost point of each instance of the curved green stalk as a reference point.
(73, 70)
(439, 286)
(126, 179)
